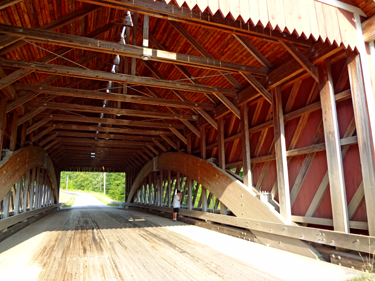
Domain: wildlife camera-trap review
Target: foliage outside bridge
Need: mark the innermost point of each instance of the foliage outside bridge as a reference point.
(87, 181)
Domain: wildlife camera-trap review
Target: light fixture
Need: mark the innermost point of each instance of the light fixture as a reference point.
(145, 57)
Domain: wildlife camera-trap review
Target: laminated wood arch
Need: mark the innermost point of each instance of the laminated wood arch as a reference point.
(20, 162)
(232, 193)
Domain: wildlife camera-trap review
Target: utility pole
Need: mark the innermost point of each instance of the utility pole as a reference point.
(67, 179)
(104, 181)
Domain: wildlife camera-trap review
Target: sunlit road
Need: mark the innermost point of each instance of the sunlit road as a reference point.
(85, 200)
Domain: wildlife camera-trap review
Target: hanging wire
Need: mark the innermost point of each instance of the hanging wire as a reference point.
(56, 54)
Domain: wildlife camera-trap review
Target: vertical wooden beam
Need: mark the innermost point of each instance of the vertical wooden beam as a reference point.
(245, 139)
(169, 189)
(161, 190)
(13, 132)
(23, 135)
(203, 142)
(333, 149)
(145, 31)
(26, 191)
(18, 197)
(189, 181)
(6, 204)
(3, 106)
(204, 199)
(135, 29)
(221, 144)
(364, 137)
(34, 173)
(149, 189)
(280, 151)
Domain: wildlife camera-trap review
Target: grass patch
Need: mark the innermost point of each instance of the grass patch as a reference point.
(63, 197)
(362, 278)
(69, 203)
(105, 200)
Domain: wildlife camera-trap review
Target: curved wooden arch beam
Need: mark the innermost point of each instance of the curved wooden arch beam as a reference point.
(231, 192)
(20, 162)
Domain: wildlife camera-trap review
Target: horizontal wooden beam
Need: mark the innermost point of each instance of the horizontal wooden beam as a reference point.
(349, 241)
(115, 77)
(110, 121)
(77, 93)
(295, 152)
(73, 127)
(104, 136)
(110, 110)
(138, 52)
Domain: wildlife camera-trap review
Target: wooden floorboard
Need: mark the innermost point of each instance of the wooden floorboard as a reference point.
(115, 244)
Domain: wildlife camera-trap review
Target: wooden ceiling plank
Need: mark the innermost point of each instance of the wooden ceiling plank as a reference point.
(108, 47)
(108, 110)
(10, 42)
(115, 77)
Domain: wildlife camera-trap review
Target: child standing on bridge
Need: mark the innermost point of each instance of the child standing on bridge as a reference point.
(176, 204)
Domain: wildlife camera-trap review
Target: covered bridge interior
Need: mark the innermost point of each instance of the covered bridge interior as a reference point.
(262, 108)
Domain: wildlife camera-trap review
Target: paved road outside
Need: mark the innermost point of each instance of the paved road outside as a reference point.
(85, 200)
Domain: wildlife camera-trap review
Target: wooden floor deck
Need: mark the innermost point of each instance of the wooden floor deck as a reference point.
(114, 244)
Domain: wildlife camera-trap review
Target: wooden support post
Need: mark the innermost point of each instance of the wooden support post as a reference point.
(145, 31)
(364, 137)
(23, 135)
(245, 139)
(150, 189)
(204, 199)
(34, 173)
(333, 149)
(18, 197)
(135, 29)
(221, 144)
(13, 133)
(189, 181)
(280, 151)
(203, 142)
(161, 190)
(26, 191)
(3, 106)
(6, 203)
(169, 189)
(37, 187)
